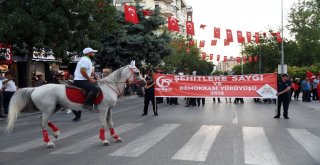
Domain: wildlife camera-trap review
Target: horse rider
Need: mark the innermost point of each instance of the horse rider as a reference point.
(83, 80)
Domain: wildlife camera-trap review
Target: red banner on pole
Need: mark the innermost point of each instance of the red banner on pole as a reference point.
(249, 86)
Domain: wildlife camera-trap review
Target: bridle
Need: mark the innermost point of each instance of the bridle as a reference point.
(135, 81)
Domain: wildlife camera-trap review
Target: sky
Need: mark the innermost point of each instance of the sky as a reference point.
(243, 15)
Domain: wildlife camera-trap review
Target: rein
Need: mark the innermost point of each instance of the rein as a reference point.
(118, 91)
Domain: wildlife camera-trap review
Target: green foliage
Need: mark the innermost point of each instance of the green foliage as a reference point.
(304, 24)
(300, 72)
(186, 59)
(141, 42)
(60, 25)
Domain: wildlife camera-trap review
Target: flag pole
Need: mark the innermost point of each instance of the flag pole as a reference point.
(282, 49)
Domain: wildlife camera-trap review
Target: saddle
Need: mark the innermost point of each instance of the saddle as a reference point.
(78, 95)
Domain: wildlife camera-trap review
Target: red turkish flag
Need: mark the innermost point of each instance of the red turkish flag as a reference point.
(147, 12)
(191, 42)
(226, 42)
(214, 42)
(239, 37)
(244, 59)
(257, 37)
(238, 60)
(202, 26)
(211, 57)
(173, 24)
(249, 37)
(225, 59)
(310, 75)
(250, 59)
(242, 40)
(279, 39)
(218, 57)
(202, 43)
(204, 55)
(229, 35)
(256, 58)
(130, 14)
(190, 28)
(216, 32)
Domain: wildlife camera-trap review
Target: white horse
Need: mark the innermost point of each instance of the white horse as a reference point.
(47, 97)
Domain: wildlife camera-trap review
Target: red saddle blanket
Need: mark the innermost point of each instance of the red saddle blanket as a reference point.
(78, 96)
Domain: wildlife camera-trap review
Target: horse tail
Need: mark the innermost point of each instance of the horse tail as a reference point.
(19, 101)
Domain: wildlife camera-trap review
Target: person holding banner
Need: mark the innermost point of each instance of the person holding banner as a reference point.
(284, 88)
(149, 96)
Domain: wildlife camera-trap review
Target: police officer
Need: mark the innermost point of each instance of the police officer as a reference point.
(284, 88)
(149, 96)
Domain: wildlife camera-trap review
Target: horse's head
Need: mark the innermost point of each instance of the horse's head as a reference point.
(134, 76)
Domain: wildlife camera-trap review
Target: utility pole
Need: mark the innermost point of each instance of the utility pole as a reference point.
(282, 49)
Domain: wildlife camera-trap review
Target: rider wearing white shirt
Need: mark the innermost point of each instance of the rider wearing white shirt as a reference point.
(9, 89)
(82, 77)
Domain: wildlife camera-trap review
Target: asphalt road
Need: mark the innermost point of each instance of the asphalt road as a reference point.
(214, 134)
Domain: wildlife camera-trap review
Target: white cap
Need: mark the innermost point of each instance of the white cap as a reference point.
(88, 50)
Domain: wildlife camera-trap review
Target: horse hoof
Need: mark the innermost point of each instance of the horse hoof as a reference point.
(56, 134)
(50, 145)
(119, 140)
(105, 143)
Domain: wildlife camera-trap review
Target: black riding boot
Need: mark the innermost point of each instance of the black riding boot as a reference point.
(77, 115)
(89, 100)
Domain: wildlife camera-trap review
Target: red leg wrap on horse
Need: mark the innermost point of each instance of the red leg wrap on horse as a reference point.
(102, 134)
(45, 136)
(53, 127)
(113, 133)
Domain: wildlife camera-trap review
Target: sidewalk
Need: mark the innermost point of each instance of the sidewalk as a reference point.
(121, 99)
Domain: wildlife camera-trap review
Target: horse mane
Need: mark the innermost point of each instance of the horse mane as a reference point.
(113, 77)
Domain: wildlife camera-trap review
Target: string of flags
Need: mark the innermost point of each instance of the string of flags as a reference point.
(251, 59)
(173, 25)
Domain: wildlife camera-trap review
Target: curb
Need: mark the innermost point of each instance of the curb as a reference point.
(121, 99)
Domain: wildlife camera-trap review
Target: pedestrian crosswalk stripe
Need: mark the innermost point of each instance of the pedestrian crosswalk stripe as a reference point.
(38, 142)
(145, 142)
(198, 147)
(308, 141)
(89, 142)
(257, 148)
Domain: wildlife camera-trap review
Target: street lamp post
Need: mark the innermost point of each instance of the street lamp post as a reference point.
(260, 56)
(282, 49)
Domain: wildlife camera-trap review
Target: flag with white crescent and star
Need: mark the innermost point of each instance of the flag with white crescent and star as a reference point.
(190, 28)
(173, 24)
(130, 14)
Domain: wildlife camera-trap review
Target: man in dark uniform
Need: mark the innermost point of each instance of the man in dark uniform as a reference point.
(149, 96)
(284, 87)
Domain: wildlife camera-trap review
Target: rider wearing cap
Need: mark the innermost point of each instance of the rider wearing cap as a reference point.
(82, 77)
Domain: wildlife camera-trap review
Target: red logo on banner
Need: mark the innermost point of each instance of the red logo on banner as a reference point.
(250, 86)
(5, 54)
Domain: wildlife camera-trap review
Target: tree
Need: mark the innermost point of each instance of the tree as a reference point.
(304, 24)
(145, 41)
(56, 26)
(186, 59)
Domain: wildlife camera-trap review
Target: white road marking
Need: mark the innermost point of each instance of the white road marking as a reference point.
(92, 141)
(257, 148)
(145, 142)
(235, 117)
(198, 147)
(308, 141)
(38, 142)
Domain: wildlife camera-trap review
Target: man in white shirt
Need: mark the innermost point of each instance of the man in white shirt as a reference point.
(82, 77)
(9, 88)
